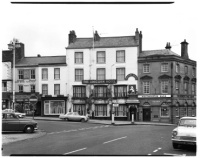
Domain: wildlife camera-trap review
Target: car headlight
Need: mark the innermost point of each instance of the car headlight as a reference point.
(174, 133)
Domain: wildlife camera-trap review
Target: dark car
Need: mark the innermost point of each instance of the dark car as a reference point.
(11, 122)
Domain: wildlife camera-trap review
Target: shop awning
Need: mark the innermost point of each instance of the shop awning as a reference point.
(132, 101)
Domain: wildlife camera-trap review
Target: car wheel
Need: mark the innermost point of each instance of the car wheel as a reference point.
(28, 129)
(175, 146)
(82, 120)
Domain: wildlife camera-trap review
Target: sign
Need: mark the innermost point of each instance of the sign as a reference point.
(132, 89)
(154, 96)
(115, 105)
(112, 81)
(33, 99)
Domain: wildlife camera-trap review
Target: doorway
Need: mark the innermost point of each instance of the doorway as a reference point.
(146, 114)
(133, 110)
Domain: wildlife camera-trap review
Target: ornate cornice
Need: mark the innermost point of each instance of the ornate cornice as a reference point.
(178, 77)
(186, 78)
(146, 77)
(164, 77)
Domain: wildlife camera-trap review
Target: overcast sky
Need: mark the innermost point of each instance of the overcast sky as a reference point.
(44, 29)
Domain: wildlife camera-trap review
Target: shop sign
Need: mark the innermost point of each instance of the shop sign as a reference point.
(99, 81)
(115, 105)
(186, 96)
(25, 81)
(154, 96)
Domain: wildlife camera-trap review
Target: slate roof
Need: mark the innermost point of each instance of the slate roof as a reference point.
(104, 42)
(43, 60)
(164, 52)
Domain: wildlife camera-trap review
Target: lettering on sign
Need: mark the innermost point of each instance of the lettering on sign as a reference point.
(153, 96)
(99, 81)
(25, 81)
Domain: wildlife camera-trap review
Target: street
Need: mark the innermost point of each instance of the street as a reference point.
(75, 138)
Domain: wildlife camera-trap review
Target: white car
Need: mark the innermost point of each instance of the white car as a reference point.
(21, 115)
(73, 116)
(185, 132)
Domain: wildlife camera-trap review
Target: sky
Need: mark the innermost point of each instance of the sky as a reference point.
(44, 28)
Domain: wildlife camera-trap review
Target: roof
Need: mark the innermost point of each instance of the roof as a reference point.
(45, 60)
(104, 42)
(164, 52)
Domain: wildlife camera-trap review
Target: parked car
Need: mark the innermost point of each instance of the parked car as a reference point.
(185, 132)
(73, 116)
(21, 115)
(12, 122)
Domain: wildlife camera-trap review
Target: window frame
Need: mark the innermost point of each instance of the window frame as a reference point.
(163, 67)
(120, 74)
(81, 60)
(177, 68)
(103, 93)
(75, 77)
(186, 86)
(21, 88)
(144, 68)
(44, 76)
(149, 87)
(163, 90)
(20, 74)
(56, 90)
(56, 73)
(117, 93)
(186, 69)
(161, 112)
(43, 90)
(32, 88)
(82, 90)
(119, 57)
(101, 110)
(97, 73)
(104, 57)
(32, 73)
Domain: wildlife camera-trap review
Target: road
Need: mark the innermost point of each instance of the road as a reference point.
(74, 138)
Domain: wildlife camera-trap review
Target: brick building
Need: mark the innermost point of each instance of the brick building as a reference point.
(167, 85)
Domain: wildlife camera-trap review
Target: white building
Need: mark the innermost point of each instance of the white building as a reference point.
(98, 66)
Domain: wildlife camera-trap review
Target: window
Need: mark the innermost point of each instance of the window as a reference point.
(146, 87)
(56, 89)
(193, 89)
(164, 111)
(193, 72)
(101, 57)
(45, 89)
(78, 57)
(56, 73)
(120, 74)
(120, 91)
(186, 70)
(177, 68)
(33, 88)
(21, 74)
(164, 67)
(32, 74)
(78, 74)
(81, 109)
(79, 91)
(120, 56)
(186, 87)
(21, 89)
(146, 68)
(54, 107)
(164, 87)
(44, 74)
(100, 91)
(100, 110)
(121, 110)
(184, 111)
(177, 85)
(4, 86)
(101, 74)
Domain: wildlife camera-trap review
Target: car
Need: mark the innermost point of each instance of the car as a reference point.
(21, 115)
(185, 132)
(73, 116)
(12, 122)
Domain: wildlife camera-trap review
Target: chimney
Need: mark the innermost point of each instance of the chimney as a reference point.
(184, 50)
(72, 37)
(138, 38)
(168, 46)
(96, 36)
(136, 34)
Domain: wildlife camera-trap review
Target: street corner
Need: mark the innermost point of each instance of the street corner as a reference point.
(10, 137)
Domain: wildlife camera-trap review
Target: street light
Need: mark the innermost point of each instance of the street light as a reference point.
(12, 46)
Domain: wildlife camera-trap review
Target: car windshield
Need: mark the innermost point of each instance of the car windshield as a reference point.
(187, 122)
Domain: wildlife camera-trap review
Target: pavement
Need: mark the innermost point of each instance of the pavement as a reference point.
(17, 136)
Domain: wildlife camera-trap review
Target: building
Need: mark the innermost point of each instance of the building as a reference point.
(167, 85)
(7, 77)
(103, 71)
(44, 77)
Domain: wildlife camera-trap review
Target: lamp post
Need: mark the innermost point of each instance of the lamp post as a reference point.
(12, 46)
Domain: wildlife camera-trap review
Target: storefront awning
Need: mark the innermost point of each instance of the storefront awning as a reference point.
(132, 101)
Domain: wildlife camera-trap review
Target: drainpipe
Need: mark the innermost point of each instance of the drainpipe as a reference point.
(172, 92)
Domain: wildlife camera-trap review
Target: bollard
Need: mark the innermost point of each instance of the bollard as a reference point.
(132, 118)
(113, 119)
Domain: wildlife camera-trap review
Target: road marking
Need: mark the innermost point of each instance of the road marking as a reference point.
(155, 151)
(74, 151)
(149, 154)
(114, 140)
(174, 154)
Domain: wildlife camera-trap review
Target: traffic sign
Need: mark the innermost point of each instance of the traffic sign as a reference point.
(33, 99)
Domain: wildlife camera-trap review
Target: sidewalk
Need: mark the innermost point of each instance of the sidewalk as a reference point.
(106, 122)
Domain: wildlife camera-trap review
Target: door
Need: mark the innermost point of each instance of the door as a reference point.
(146, 114)
(133, 110)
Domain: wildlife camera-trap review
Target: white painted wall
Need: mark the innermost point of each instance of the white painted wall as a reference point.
(7, 74)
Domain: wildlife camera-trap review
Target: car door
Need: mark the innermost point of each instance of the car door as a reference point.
(12, 123)
(4, 122)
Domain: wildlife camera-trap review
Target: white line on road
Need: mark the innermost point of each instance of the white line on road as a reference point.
(114, 140)
(174, 154)
(155, 151)
(74, 151)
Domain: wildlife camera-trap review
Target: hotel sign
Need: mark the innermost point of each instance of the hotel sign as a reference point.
(154, 96)
(99, 81)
